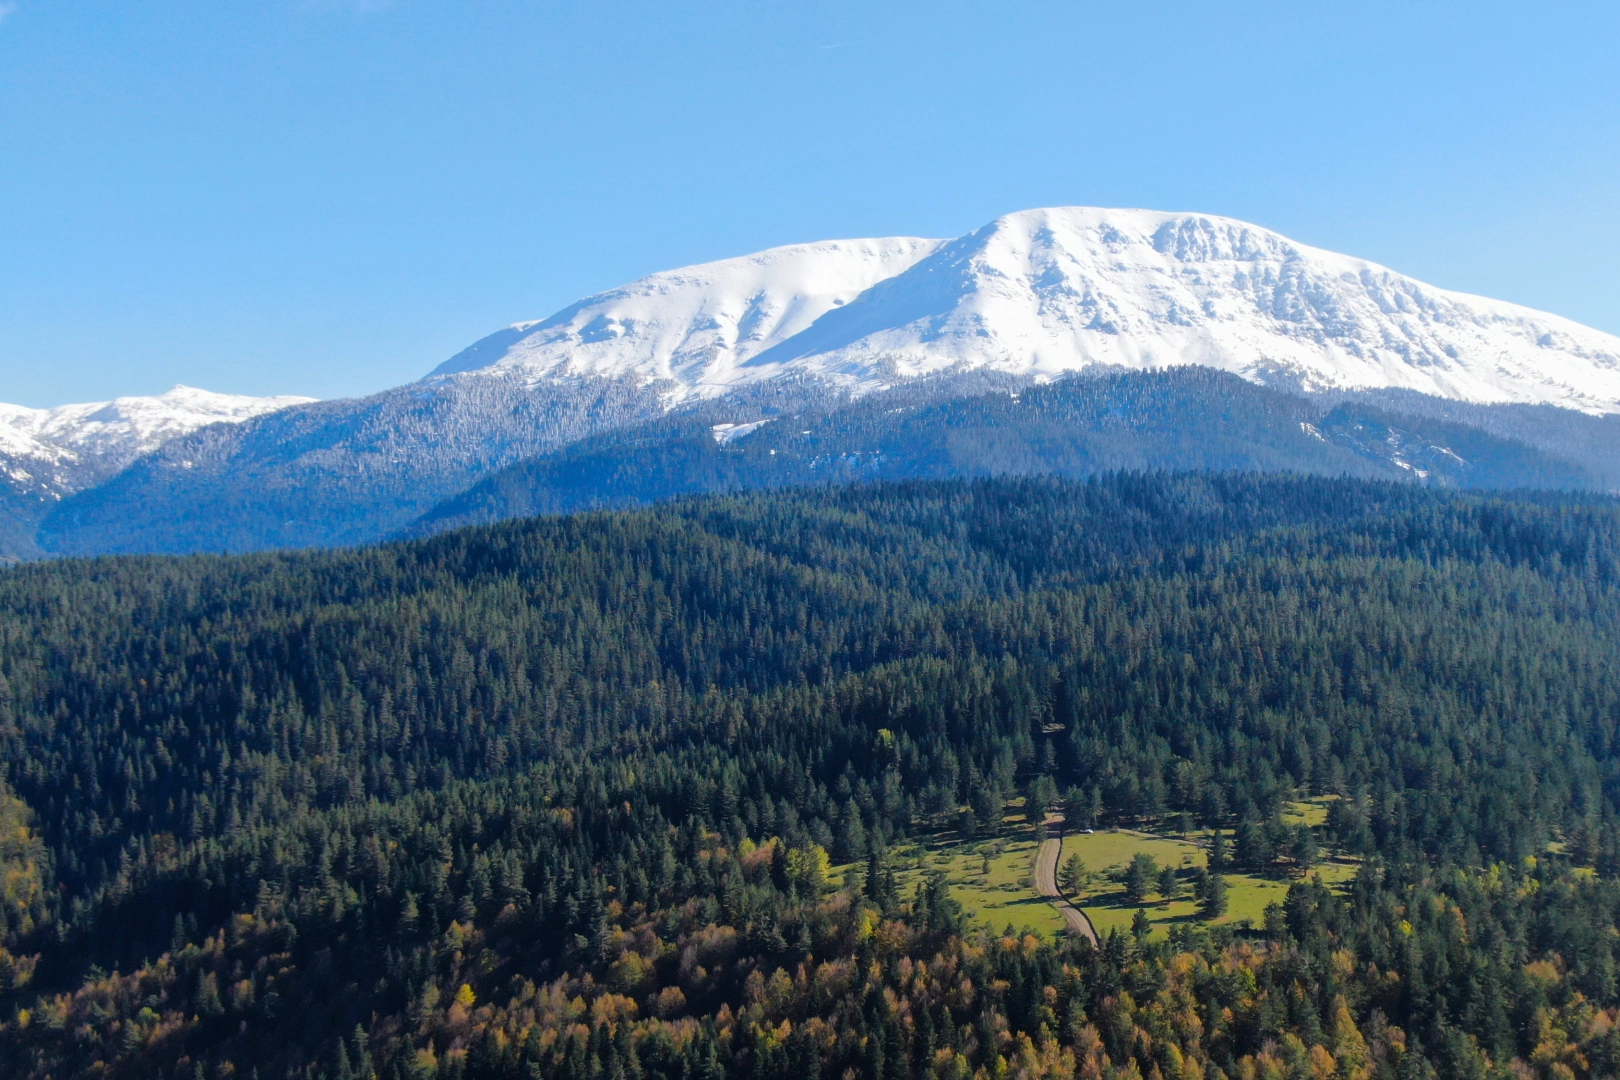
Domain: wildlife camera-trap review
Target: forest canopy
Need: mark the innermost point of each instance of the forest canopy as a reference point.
(562, 797)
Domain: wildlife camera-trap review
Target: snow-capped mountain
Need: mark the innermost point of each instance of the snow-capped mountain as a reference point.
(57, 451)
(1045, 292)
(799, 331)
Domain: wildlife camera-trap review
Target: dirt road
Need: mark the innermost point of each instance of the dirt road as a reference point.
(1046, 862)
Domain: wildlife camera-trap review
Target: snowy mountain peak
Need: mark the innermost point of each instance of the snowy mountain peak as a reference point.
(1045, 292)
(698, 324)
(56, 449)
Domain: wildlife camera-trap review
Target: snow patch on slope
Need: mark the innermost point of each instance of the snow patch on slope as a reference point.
(726, 434)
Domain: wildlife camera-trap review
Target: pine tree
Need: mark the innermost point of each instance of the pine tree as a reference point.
(1214, 905)
(1139, 874)
(1072, 876)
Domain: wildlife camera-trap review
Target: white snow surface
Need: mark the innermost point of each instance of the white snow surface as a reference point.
(726, 434)
(698, 326)
(122, 429)
(1046, 292)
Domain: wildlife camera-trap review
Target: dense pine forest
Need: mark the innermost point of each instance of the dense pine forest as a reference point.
(617, 796)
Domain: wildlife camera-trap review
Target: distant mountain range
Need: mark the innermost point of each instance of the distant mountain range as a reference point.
(74, 446)
(48, 454)
(1067, 340)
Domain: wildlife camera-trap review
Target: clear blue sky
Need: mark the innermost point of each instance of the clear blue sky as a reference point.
(329, 197)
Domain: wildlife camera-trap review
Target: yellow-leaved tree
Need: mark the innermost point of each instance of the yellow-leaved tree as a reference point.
(22, 887)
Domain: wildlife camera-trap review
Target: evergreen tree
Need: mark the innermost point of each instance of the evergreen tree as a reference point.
(1140, 873)
(1072, 875)
(1214, 902)
(555, 798)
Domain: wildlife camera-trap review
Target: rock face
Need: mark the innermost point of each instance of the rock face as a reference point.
(1045, 292)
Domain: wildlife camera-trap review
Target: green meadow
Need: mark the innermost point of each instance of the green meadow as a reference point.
(1107, 852)
(993, 877)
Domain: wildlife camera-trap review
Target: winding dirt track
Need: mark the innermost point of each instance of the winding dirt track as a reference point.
(1046, 861)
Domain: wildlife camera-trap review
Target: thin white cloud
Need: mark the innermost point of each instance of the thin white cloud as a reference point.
(359, 7)
(7, 9)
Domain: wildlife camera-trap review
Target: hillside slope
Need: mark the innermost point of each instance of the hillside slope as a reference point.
(331, 473)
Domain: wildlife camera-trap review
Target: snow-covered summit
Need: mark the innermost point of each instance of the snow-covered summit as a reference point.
(52, 446)
(1044, 292)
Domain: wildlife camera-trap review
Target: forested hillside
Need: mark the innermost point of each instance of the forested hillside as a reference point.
(20, 513)
(1593, 441)
(616, 796)
(1187, 418)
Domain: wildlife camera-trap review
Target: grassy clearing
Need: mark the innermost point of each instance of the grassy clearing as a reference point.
(993, 878)
(1109, 851)
(1312, 812)
(996, 889)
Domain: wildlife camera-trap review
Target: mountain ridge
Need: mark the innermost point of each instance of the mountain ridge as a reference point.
(335, 472)
(47, 455)
(71, 444)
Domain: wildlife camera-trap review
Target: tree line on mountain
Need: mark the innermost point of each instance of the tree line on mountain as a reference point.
(620, 795)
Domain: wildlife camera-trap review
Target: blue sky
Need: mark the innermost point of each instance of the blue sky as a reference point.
(329, 197)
